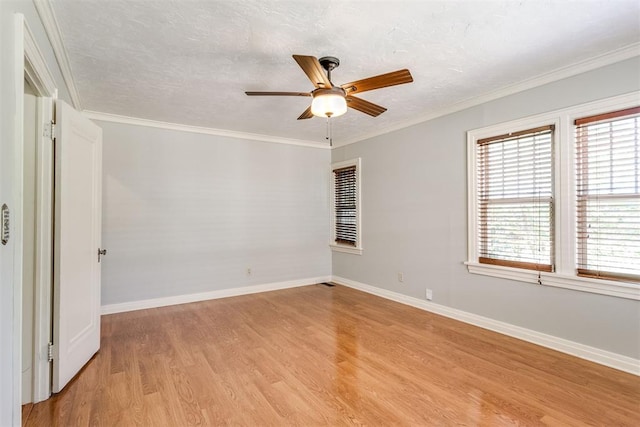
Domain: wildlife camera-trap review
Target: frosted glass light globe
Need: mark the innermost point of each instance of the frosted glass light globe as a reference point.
(329, 103)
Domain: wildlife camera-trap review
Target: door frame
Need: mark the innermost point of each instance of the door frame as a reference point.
(32, 67)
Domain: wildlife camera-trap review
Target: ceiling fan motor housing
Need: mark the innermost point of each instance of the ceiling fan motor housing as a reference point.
(336, 90)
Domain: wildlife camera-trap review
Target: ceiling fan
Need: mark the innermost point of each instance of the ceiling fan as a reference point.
(332, 101)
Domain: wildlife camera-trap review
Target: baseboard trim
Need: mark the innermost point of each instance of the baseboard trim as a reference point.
(203, 296)
(593, 354)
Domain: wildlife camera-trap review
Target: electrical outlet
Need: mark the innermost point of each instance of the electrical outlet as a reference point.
(248, 271)
(401, 277)
(429, 294)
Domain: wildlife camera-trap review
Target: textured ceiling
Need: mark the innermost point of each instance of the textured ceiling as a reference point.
(189, 62)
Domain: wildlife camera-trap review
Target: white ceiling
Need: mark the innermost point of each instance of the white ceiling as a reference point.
(189, 62)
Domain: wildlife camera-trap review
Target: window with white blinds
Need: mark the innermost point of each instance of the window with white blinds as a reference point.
(558, 204)
(608, 195)
(345, 200)
(515, 199)
(345, 207)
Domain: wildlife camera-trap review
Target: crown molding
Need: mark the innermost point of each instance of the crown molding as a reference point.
(50, 24)
(618, 55)
(107, 117)
(35, 67)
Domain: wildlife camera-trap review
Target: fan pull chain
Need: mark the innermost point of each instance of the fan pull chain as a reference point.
(329, 136)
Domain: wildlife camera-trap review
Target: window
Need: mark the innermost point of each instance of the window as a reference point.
(515, 199)
(554, 199)
(345, 206)
(608, 195)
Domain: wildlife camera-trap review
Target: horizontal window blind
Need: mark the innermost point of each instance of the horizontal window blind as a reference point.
(608, 195)
(346, 206)
(515, 199)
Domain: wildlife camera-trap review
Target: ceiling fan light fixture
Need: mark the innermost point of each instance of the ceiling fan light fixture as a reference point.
(329, 102)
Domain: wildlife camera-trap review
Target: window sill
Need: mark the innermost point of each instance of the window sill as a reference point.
(346, 249)
(584, 284)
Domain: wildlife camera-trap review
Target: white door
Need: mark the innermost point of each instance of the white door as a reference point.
(77, 237)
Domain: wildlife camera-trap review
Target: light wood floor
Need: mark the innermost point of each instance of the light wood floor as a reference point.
(318, 355)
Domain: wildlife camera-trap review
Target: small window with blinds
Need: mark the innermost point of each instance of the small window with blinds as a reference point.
(515, 199)
(608, 195)
(346, 206)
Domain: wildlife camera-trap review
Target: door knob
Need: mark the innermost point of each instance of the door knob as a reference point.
(101, 252)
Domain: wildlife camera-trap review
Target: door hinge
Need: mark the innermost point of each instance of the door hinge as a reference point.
(49, 130)
(50, 352)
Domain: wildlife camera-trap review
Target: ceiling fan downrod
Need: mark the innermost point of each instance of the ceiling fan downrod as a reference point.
(329, 63)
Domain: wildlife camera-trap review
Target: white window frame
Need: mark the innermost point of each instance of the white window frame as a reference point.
(337, 247)
(564, 275)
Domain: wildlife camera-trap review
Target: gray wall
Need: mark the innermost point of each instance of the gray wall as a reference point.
(414, 220)
(187, 213)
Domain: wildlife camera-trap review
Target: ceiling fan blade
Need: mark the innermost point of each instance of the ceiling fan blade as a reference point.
(366, 107)
(383, 80)
(278, 93)
(307, 114)
(312, 68)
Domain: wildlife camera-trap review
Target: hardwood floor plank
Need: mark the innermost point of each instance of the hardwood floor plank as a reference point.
(320, 355)
(26, 410)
